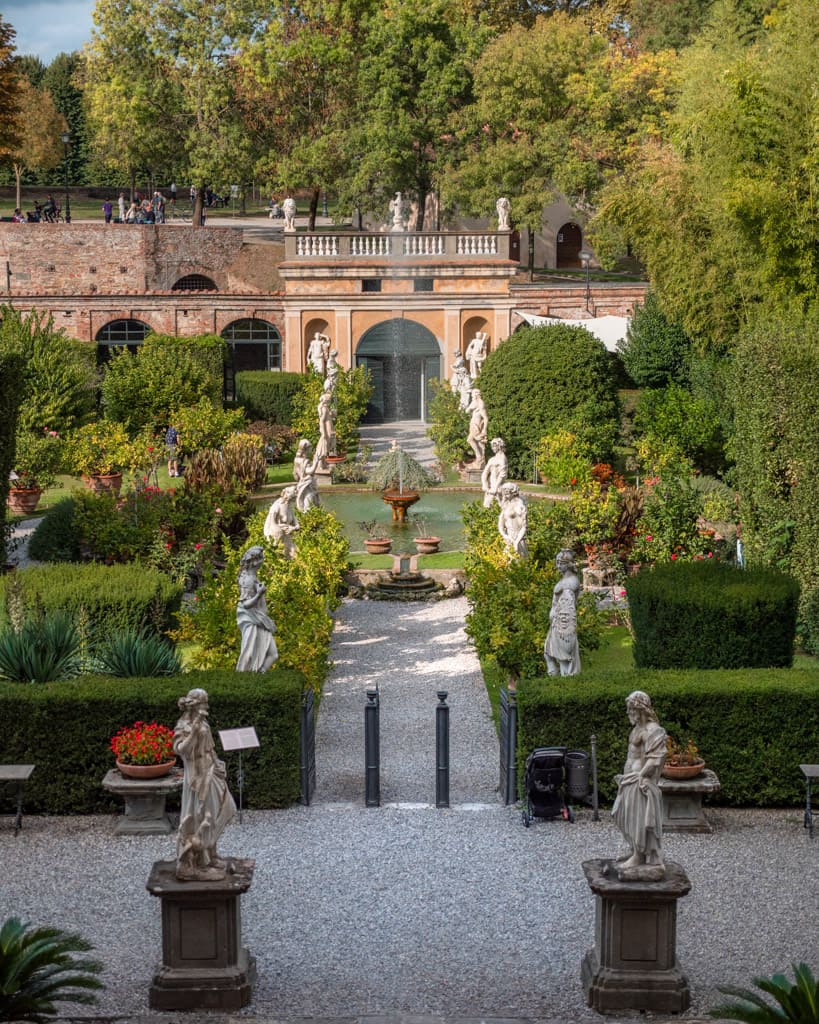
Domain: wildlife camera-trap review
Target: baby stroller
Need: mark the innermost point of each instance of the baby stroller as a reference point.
(545, 785)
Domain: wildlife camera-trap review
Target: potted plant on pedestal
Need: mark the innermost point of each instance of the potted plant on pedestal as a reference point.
(400, 478)
(99, 453)
(682, 760)
(144, 750)
(376, 541)
(37, 460)
(425, 542)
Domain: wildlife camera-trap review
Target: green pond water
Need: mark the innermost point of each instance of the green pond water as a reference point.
(442, 510)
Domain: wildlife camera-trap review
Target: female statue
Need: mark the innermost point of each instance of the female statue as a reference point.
(513, 519)
(561, 649)
(477, 428)
(258, 651)
(304, 473)
(281, 524)
(494, 472)
(327, 423)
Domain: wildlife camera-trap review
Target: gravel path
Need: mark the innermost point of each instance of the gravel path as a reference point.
(405, 910)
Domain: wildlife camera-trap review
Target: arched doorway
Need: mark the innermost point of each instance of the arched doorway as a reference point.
(402, 356)
(569, 244)
(252, 345)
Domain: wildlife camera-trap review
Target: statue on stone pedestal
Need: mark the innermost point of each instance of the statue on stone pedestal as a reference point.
(304, 473)
(327, 422)
(638, 809)
(397, 211)
(289, 210)
(494, 472)
(502, 208)
(207, 805)
(477, 428)
(561, 649)
(476, 354)
(281, 524)
(460, 381)
(513, 519)
(259, 651)
(317, 352)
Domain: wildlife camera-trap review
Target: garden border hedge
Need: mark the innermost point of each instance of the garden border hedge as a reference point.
(753, 727)
(268, 396)
(65, 729)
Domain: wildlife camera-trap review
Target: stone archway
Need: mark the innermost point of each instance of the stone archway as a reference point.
(402, 356)
(569, 244)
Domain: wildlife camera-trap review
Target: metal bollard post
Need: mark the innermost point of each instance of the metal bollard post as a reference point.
(508, 746)
(372, 750)
(595, 804)
(442, 751)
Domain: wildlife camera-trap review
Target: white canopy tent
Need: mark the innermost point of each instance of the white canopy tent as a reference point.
(609, 329)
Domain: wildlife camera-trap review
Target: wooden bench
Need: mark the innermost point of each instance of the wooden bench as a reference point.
(17, 775)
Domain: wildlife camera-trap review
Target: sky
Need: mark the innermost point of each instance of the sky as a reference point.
(48, 27)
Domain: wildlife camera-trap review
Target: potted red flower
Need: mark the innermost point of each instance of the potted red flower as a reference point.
(144, 750)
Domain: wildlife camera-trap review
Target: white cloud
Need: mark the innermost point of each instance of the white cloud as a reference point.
(48, 27)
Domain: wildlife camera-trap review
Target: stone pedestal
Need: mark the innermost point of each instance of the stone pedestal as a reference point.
(472, 476)
(144, 802)
(633, 965)
(682, 802)
(204, 965)
(324, 476)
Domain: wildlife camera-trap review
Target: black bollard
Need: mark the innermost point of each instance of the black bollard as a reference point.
(442, 751)
(595, 804)
(372, 750)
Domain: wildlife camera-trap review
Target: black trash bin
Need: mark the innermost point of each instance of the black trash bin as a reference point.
(577, 774)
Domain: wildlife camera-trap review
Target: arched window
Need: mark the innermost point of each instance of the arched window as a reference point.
(195, 283)
(118, 333)
(252, 345)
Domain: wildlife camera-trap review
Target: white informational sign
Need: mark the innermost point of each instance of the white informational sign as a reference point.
(238, 739)
(234, 191)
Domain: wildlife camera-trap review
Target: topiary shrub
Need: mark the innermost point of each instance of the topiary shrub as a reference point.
(543, 379)
(268, 396)
(712, 615)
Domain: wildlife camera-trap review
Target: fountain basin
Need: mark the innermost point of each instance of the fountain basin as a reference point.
(399, 502)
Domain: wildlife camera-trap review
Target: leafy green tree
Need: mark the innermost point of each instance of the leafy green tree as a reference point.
(562, 377)
(40, 127)
(666, 24)
(9, 91)
(674, 420)
(449, 424)
(655, 352)
(39, 967)
(61, 80)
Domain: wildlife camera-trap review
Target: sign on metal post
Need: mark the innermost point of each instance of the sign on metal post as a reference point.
(239, 739)
(372, 750)
(442, 751)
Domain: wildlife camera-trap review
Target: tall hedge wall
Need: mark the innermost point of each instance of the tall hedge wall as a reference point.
(65, 730)
(753, 727)
(268, 396)
(11, 369)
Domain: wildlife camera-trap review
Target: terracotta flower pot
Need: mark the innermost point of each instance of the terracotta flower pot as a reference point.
(104, 482)
(24, 499)
(146, 771)
(683, 771)
(378, 545)
(427, 545)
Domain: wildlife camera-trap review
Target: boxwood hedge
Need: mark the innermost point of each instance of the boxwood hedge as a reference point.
(65, 730)
(268, 396)
(712, 615)
(753, 727)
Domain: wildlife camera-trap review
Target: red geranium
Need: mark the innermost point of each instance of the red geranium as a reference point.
(143, 743)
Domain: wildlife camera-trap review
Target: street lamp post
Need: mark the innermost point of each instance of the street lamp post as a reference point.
(585, 259)
(66, 138)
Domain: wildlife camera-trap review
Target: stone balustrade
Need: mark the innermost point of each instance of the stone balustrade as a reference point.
(445, 245)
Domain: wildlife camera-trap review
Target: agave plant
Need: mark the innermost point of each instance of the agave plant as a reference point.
(38, 968)
(798, 1003)
(398, 470)
(137, 653)
(40, 651)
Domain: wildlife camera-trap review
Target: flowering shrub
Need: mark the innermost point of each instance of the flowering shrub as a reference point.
(205, 426)
(100, 449)
(37, 458)
(143, 743)
(564, 460)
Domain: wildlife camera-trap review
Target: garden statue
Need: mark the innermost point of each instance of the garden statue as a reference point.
(513, 519)
(258, 651)
(304, 473)
(477, 428)
(327, 422)
(318, 351)
(281, 524)
(207, 805)
(561, 649)
(494, 472)
(502, 207)
(461, 382)
(289, 210)
(638, 809)
(331, 369)
(476, 353)
(397, 211)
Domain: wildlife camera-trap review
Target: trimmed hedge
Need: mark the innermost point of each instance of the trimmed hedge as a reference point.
(268, 396)
(712, 615)
(65, 729)
(754, 728)
(114, 597)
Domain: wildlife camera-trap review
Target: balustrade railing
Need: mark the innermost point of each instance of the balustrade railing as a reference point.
(397, 246)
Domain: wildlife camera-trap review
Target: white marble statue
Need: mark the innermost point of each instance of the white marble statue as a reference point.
(494, 472)
(281, 524)
(317, 352)
(478, 421)
(502, 207)
(397, 211)
(513, 519)
(332, 368)
(561, 649)
(476, 354)
(207, 805)
(460, 381)
(289, 211)
(258, 652)
(638, 809)
(327, 422)
(304, 473)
